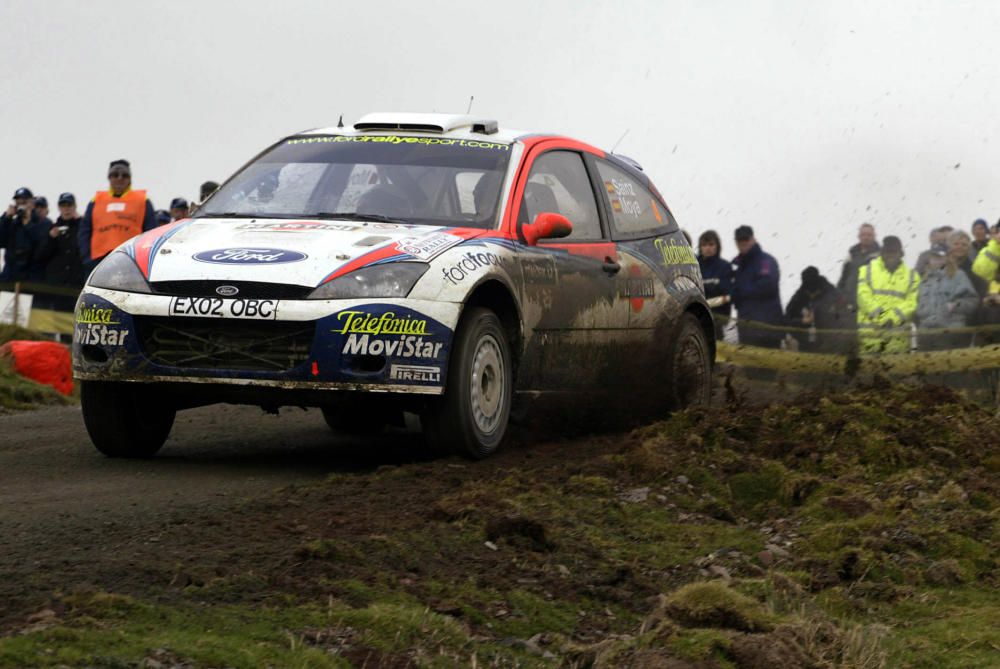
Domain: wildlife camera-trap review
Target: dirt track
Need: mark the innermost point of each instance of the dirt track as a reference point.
(59, 495)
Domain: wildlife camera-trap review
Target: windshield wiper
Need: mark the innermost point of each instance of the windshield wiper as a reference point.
(353, 216)
(225, 214)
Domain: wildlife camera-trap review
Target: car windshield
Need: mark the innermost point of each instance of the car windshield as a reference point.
(426, 180)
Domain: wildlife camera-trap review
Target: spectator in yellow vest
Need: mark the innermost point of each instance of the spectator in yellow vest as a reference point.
(887, 300)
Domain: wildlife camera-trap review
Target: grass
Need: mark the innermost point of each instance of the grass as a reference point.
(792, 536)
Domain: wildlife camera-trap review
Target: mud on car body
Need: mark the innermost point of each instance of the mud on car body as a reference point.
(420, 262)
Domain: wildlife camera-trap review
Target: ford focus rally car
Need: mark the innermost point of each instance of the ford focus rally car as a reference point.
(413, 262)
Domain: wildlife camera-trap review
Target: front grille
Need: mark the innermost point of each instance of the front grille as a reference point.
(209, 343)
(248, 289)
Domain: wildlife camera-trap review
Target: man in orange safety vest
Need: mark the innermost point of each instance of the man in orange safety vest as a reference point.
(114, 216)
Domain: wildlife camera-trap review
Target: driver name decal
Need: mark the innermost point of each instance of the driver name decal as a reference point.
(428, 246)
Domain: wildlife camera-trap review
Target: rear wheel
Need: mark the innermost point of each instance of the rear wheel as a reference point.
(471, 419)
(690, 365)
(125, 420)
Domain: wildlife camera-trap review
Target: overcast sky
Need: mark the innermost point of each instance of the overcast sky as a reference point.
(802, 119)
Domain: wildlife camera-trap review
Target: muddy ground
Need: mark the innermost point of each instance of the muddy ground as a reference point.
(854, 529)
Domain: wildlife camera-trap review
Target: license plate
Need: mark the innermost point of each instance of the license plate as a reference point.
(217, 307)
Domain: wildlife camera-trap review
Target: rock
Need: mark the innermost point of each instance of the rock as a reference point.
(635, 495)
(683, 480)
(766, 558)
(489, 544)
(776, 550)
(562, 569)
(719, 571)
(944, 573)
(45, 615)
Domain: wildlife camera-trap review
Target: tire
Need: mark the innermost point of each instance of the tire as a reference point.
(690, 365)
(471, 419)
(354, 419)
(125, 420)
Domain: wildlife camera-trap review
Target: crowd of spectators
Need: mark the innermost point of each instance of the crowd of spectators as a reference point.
(62, 252)
(878, 302)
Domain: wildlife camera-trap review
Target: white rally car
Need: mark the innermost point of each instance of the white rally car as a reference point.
(413, 262)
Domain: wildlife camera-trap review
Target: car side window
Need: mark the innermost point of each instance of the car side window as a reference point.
(558, 183)
(634, 210)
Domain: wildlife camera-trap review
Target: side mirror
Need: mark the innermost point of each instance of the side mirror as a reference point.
(547, 225)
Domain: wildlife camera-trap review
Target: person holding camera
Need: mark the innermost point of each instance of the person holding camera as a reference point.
(114, 216)
(61, 251)
(22, 233)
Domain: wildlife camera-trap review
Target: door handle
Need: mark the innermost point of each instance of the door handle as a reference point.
(610, 266)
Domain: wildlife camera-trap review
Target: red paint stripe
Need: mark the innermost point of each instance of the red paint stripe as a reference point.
(145, 242)
(389, 251)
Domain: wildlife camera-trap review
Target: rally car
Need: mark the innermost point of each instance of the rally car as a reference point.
(435, 264)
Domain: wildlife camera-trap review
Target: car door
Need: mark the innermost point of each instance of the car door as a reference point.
(659, 271)
(570, 295)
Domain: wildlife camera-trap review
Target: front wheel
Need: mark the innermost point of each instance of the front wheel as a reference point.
(690, 365)
(125, 420)
(472, 417)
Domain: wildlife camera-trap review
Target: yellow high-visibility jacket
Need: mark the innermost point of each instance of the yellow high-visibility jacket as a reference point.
(987, 261)
(886, 303)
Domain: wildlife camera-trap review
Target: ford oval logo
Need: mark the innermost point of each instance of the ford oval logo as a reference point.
(241, 256)
(227, 291)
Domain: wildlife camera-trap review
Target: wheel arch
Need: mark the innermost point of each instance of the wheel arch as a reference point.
(704, 316)
(494, 294)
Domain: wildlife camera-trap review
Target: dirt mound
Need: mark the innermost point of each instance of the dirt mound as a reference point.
(732, 536)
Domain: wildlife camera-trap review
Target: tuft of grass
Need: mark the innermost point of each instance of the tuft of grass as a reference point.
(714, 604)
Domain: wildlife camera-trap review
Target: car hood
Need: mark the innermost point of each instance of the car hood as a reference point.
(300, 252)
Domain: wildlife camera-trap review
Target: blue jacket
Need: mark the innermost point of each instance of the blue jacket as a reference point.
(755, 286)
(717, 275)
(23, 244)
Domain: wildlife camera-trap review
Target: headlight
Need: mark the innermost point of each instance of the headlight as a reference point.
(390, 280)
(119, 272)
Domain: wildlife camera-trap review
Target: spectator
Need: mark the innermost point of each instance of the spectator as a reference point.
(959, 252)
(205, 192)
(945, 299)
(114, 216)
(207, 189)
(980, 237)
(42, 208)
(887, 300)
(162, 217)
(859, 255)
(179, 209)
(938, 236)
(821, 314)
(755, 292)
(988, 259)
(61, 251)
(989, 315)
(717, 276)
(22, 233)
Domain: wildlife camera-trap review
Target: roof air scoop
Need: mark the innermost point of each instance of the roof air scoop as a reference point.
(438, 123)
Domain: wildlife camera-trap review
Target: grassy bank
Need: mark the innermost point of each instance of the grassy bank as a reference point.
(854, 529)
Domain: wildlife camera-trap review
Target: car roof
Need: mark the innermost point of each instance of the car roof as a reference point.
(457, 126)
